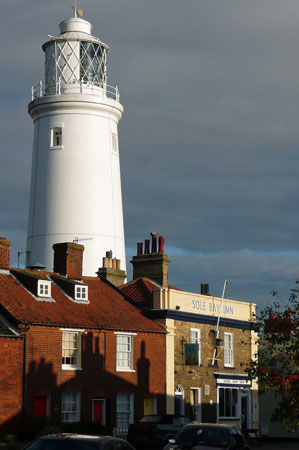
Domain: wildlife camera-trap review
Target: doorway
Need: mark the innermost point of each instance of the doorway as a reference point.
(98, 410)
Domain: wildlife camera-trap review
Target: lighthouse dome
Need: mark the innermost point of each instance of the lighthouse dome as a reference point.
(75, 24)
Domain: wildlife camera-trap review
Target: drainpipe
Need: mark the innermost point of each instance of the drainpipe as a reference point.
(24, 328)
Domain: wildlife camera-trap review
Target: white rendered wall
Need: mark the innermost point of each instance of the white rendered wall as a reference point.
(76, 189)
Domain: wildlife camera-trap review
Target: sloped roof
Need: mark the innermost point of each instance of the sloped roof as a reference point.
(107, 308)
(6, 330)
(140, 290)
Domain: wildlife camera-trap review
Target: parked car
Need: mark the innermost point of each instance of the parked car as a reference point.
(203, 436)
(69, 441)
(154, 431)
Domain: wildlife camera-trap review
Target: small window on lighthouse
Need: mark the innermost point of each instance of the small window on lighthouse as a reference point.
(114, 143)
(56, 137)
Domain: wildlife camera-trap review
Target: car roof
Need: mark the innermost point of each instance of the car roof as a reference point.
(75, 436)
(210, 425)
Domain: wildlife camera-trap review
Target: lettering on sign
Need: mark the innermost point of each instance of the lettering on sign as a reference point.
(240, 382)
(215, 308)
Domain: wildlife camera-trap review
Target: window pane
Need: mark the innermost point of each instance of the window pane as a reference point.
(221, 402)
(124, 351)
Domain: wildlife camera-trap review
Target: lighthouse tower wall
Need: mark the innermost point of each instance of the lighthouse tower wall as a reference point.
(75, 183)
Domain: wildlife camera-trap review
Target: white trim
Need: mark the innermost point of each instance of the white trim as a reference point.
(78, 295)
(78, 409)
(197, 341)
(130, 353)
(43, 283)
(198, 404)
(238, 405)
(130, 412)
(72, 329)
(125, 332)
(228, 352)
(78, 349)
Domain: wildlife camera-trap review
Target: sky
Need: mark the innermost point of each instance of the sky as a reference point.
(208, 141)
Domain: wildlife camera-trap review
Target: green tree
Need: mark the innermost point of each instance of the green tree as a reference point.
(277, 365)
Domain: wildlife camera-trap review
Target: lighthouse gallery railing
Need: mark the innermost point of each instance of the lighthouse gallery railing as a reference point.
(76, 88)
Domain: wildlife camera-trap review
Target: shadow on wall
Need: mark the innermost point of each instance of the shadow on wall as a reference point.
(45, 382)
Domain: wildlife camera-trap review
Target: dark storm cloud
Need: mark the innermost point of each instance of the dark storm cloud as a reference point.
(209, 138)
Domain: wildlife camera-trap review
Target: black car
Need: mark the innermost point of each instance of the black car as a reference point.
(153, 431)
(203, 436)
(78, 442)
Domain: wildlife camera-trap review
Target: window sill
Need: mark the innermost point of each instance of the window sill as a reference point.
(229, 367)
(125, 370)
(56, 147)
(70, 368)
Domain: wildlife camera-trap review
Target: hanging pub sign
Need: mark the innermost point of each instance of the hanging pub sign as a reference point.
(191, 355)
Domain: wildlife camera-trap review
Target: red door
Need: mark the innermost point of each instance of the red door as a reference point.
(40, 406)
(98, 411)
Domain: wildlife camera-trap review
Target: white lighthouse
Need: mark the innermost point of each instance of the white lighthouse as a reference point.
(75, 181)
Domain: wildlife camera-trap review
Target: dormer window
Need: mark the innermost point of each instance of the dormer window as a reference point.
(44, 288)
(81, 292)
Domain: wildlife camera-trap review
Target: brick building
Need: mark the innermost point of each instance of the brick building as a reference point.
(209, 342)
(11, 371)
(89, 355)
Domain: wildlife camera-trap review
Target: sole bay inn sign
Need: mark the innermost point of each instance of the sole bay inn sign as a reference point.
(209, 305)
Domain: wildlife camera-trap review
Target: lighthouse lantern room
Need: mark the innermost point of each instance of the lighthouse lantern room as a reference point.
(75, 181)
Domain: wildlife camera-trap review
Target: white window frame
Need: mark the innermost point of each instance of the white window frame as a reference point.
(53, 137)
(125, 352)
(124, 410)
(195, 338)
(69, 412)
(228, 350)
(196, 406)
(67, 350)
(44, 288)
(114, 142)
(81, 292)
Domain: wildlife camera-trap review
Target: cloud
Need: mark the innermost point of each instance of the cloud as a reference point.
(209, 137)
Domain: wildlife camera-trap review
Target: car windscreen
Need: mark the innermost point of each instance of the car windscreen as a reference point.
(208, 436)
(63, 444)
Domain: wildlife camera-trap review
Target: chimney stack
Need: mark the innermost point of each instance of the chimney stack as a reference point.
(4, 253)
(153, 265)
(111, 270)
(204, 289)
(68, 259)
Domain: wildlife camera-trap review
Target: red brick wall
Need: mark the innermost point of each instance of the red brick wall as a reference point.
(68, 259)
(11, 369)
(98, 377)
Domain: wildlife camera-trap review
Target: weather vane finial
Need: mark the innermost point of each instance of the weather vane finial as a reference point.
(78, 12)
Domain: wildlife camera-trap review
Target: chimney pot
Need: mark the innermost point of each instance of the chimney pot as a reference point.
(105, 261)
(161, 244)
(109, 254)
(154, 242)
(4, 253)
(139, 248)
(118, 264)
(114, 263)
(146, 246)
